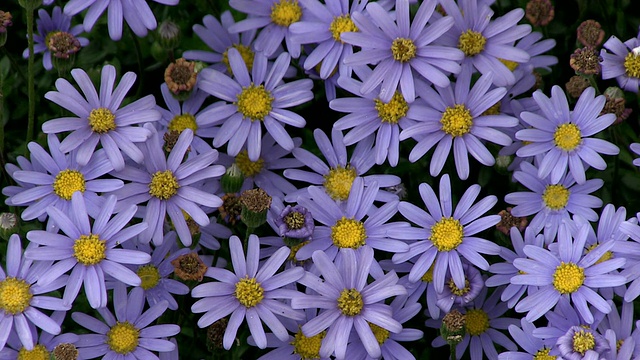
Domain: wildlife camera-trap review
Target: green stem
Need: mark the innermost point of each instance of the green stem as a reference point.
(31, 80)
(453, 351)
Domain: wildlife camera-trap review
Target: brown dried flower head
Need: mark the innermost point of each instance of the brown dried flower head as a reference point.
(576, 85)
(539, 12)
(65, 351)
(189, 267)
(586, 61)
(230, 209)
(5, 20)
(62, 44)
(181, 76)
(590, 33)
(507, 221)
(615, 104)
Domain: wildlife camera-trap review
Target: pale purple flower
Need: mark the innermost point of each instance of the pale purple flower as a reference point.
(43, 343)
(620, 60)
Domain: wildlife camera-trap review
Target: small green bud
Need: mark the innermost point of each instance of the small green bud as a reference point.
(168, 34)
(232, 179)
(255, 204)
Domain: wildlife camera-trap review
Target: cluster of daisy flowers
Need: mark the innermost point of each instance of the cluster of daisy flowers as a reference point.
(140, 202)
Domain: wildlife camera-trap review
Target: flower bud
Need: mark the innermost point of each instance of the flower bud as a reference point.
(232, 179)
(255, 204)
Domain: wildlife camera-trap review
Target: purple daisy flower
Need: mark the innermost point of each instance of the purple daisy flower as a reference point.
(552, 203)
(348, 302)
(486, 43)
(617, 327)
(127, 335)
(99, 118)
(254, 99)
(523, 335)
(454, 116)
(55, 177)
(49, 25)
(170, 187)
(21, 297)
(563, 135)
(216, 36)
(337, 177)
(415, 290)
(44, 343)
(250, 293)
(446, 234)
(88, 249)
(399, 47)
(136, 13)
(524, 73)
(635, 147)
(569, 274)
(9, 191)
(582, 343)
(622, 61)
(461, 296)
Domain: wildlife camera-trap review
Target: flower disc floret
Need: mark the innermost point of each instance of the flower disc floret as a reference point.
(380, 333)
(102, 120)
(163, 185)
(632, 65)
(123, 337)
(254, 102)
(246, 53)
(476, 322)
(286, 12)
(568, 277)
(149, 276)
(447, 234)
(294, 220)
(307, 347)
(428, 276)
(89, 249)
(249, 168)
(543, 354)
(392, 111)
(556, 196)
(456, 120)
(350, 302)
(607, 256)
(342, 24)
(338, 182)
(15, 295)
(181, 122)
(471, 42)
(348, 233)
(403, 49)
(458, 291)
(67, 182)
(39, 352)
(567, 137)
(249, 292)
(583, 341)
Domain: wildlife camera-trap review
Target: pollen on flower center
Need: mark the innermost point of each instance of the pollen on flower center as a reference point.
(286, 12)
(350, 302)
(493, 110)
(249, 168)
(89, 249)
(476, 322)
(123, 337)
(583, 341)
(338, 181)
(543, 354)
(246, 53)
(632, 65)
(15, 295)
(556, 197)
(471, 42)
(456, 120)
(392, 111)
(294, 250)
(380, 333)
(342, 24)
(568, 277)
(181, 122)
(456, 290)
(428, 276)
(149, 276)
(348, 233)
(606, 256)
(249, 292)
(307, 348)
(511, 65)
(39, 352)
(102, 120)
(67, 182)
(567, 136)
(254, 102)
(446, 234)
(403, 49)
(163, 185)
(294, 220)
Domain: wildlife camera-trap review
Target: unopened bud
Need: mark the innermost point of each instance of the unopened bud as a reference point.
(232, 179)
(168, 34)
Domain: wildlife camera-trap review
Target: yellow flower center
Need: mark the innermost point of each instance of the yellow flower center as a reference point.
(493, 110)
(102, 120)
(246, 53)
(249, 292)
(446, 234)
(350, 302)
(543, 354)
(348, 233)
(403, 49)
(583, 341)
(15, 295)
(392, 111)
(511, 65)
(67, 182)
(567, 137)
(568, 278)
(338, 181)
(181, 122)
(607, 256)
(471, 42)
(294, 220)
(149, 275)
(254, 102)
(476, 322)
(632, 65)
(380, 333)
(456, 290)
(123, 337)
(39, 352)
(294, 250)
(163, 185)
(89, 249)
(342, 24)
(619, 344)
(556, 197)
(307, 347)
(286, 12)
(428, 276)
(249, 168)
(456, 120)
